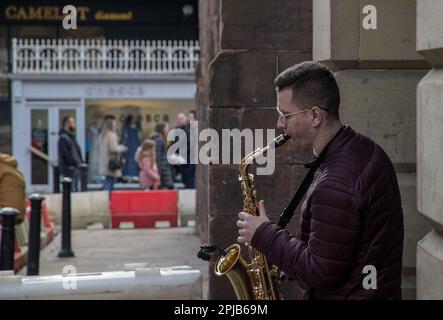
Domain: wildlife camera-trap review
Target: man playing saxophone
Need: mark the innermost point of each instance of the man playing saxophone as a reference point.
(351, 218)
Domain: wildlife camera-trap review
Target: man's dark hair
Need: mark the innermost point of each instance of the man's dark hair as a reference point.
(313, 84)
(65, 120)
(109, 117)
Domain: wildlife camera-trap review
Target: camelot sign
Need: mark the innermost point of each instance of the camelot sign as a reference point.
(55, 13)
(98, 12)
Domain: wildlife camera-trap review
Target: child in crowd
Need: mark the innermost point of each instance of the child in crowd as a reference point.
(145, 157)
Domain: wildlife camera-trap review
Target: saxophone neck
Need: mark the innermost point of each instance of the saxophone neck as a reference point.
(250, 158)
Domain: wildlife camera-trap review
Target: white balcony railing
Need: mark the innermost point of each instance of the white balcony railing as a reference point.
(90, 56)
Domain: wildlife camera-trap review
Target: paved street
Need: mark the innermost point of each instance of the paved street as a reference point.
(109, 249)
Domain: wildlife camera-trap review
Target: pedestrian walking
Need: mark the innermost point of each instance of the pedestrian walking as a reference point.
(12, 186)
(110, 150)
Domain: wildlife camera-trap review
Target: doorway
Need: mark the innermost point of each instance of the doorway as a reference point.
(45, 121)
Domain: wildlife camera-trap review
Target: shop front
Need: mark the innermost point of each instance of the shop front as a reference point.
(150, 90)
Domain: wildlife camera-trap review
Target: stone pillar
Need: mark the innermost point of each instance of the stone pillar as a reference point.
(209, 21)
(430, 149)
(378, 71)
(257, 39)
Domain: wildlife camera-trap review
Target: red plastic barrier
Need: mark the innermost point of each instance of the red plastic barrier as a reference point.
(47, 223)
(144, 207)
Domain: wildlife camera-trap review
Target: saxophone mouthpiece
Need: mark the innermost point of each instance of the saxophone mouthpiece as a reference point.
(281, 140)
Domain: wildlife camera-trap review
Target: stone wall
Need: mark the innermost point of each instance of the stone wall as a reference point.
(257, 40)
(209, 20)
(378, 71)
(430, 149)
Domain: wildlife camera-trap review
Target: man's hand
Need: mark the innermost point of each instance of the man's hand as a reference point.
(249, 223)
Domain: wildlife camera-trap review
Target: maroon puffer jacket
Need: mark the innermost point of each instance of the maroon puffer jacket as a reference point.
(351, 217)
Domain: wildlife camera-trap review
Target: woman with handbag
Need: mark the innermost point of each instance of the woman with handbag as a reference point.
(110, 163)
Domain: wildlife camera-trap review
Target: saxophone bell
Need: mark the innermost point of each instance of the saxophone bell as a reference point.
(235, 268)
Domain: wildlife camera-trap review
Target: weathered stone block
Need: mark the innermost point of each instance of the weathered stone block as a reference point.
(430, 267)
(225, 197)
(415, 225)
(276, 189)
(429, 30)
(340, 38)
(264, 24)
(430, 147)
(336, 31)
(286, 59)
(201, 181)
(381, 105)
(242, 79)
(394, 39)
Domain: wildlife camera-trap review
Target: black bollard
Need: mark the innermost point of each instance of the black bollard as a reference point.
(66, 251)
(83, 177)
(34, 234)
(9, 216)
(56, 179)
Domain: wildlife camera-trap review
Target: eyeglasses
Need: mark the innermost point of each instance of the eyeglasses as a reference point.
(284, 116)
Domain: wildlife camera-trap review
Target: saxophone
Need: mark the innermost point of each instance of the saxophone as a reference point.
(256, 279)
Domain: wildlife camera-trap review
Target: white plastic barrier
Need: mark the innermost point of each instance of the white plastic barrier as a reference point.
(170, 283)
(86, 208)
(186, 207)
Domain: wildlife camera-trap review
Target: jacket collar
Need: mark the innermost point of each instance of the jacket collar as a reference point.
(333, 145)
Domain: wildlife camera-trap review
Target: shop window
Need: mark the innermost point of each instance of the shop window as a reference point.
(146, 115)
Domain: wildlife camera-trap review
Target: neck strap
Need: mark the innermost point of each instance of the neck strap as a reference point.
(288, 212)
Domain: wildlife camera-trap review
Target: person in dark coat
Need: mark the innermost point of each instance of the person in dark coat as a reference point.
(131, 137)
(350, 241)
(192, 116)
(164, 168)
(184, 169)
(69, 152)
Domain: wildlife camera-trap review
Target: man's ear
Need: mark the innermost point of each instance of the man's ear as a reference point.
(316, 116)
